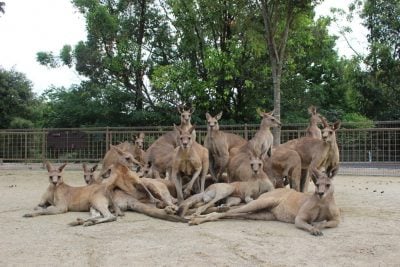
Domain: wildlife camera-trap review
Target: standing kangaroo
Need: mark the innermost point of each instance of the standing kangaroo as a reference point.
(261, 144)
(316, 153)
(308, 212)
(312, 129)
(190, 159)
(219, 145)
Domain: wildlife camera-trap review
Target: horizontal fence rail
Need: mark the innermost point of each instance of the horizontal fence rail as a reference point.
(363, 147)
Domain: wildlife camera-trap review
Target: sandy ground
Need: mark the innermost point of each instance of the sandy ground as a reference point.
(369, 234)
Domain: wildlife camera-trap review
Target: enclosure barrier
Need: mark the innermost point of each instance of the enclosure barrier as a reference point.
(372, 149)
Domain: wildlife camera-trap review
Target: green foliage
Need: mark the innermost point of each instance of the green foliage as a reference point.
(16, 100)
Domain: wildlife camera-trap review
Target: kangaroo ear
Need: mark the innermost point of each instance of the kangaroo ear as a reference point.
(260, 112)
(48, 166)
(219, 116)
(315, 174)
(141, 135)
(333, 172)
(191, 110)
(192, 128)
(177, 128)
(208, 116)
(93, 169)
(312, 110)
(336, 125)
(62, 167)
(179, 108)
(324, 122)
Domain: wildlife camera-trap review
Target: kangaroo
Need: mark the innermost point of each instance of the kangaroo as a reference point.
(186, 116)
(309, 212)
(219, 145)
(137, 149)
(161, 189)
(260, 144)
(284, 166)
(190, 159)
(61, 198)
(244, 191)
(316, 153)
(312, 129)
(128, 198)
(115, 153)
(88, 173)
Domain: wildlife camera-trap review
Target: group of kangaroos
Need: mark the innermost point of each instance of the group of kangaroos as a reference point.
(178, 179)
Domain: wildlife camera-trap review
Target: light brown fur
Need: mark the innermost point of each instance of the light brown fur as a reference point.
(161, 189)
(134, 199)
(261, 144)
(312, 129)
(114, 154)
(61, 198)
(310, 212)
(190, 159)
(244, 191)
(315, 153)
(219, 145)
(284, 165)
(186, 116)
(158, 157)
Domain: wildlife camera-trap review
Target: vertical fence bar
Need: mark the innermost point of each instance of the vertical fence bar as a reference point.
(26, 147)
(43, 146)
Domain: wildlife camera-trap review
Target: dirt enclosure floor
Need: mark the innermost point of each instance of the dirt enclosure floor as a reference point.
(368, 235)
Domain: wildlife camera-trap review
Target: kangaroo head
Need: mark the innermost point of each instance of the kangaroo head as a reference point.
(315, 117)
(185, 137)
(55, 174)
(323, 183)
(88, 173)
(329, 132)
(139, 141)
(256, 163)
(146, 171)
(126, 158)
(186, 115)
(268, 119)
(212, 122)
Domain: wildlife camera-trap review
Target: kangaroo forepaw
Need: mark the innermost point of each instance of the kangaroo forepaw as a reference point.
(316, 232)
(171, 209)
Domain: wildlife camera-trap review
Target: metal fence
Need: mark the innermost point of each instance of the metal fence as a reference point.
(362, 147)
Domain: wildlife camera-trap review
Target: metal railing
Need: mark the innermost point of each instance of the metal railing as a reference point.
(378, 143)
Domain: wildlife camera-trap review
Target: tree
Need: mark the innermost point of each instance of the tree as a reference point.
(279, 18)
(381, 87)
(120, 40)
(16, 100)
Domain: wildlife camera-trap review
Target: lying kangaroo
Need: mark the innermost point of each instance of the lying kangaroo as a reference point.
(308, 212)
(163, 190)
(242, 191)
(61, 198)
(132, 199)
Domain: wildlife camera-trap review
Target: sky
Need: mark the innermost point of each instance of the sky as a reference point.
(28, 27)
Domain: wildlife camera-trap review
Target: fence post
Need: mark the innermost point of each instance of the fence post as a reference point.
(26, 147)
(107, 140)
(246, 134)
(43, 146)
